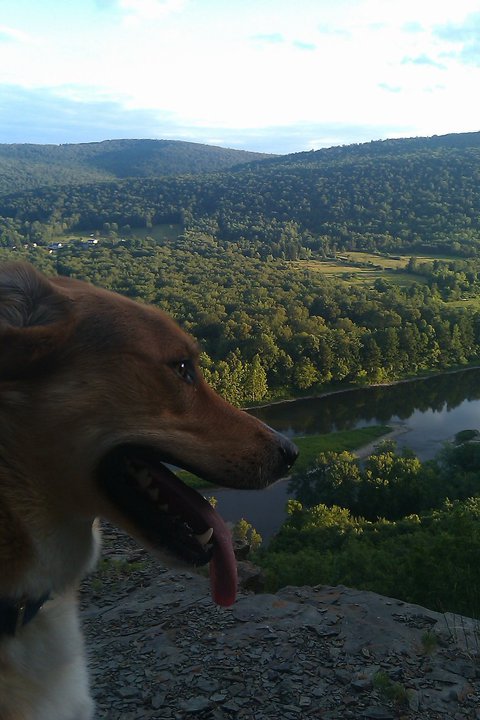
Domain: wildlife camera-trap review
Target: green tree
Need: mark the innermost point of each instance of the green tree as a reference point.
(305, 374)
(256, 386)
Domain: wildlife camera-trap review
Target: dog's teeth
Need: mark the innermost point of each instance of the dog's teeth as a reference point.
(205, 537)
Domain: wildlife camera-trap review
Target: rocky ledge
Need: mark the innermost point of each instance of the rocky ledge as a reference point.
(160, 650)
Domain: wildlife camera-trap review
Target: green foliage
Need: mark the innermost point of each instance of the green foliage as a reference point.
(413, 196)
(268, 329)
(231, 255)
(466, 436)
(429, 559)
(246, 533)
(388, 485)
(114, 571)
(390, 690)
(429, 642)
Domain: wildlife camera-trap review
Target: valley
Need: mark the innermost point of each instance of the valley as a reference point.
(300, 276)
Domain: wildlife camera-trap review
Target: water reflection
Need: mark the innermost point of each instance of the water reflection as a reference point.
(427, 405)
(433, 411)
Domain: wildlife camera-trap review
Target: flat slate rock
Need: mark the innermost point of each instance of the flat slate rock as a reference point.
(159, 649)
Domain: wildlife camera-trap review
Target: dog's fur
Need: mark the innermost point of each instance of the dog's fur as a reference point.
(84, 370)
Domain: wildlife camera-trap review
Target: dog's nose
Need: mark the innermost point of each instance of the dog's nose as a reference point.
(288, 450)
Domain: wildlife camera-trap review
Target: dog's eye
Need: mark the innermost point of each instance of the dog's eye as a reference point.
(185, 370)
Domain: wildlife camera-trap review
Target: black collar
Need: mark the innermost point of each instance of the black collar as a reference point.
(14, 614)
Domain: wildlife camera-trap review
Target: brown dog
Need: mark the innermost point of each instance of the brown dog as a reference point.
(97, 392)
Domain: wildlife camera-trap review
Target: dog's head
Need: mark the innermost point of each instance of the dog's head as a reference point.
(109, 393)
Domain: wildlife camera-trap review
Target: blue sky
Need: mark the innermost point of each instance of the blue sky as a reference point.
(266, 75)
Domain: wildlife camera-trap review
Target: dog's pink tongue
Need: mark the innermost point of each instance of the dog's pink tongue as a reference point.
(223, 566)
(200, 515)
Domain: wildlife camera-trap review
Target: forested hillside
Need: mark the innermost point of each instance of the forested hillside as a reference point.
(25, 166)
(401, 196)
(272, 328)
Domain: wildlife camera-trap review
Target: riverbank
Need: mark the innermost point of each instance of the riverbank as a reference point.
(338, 390)
(366, 450)
(265, 509)
(434, 408)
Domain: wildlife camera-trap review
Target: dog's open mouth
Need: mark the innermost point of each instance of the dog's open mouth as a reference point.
(170, 515)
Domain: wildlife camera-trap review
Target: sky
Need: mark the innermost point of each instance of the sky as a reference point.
(274, 76)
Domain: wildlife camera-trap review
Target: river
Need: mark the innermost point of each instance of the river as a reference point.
(432, 411)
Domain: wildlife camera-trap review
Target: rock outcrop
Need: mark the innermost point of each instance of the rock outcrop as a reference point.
(160, 650)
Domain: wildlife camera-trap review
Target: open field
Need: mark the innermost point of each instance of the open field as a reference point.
(385, 262)
(393, 262)
(364, 268)
(472, 304)
(366, 275)
(168, 231)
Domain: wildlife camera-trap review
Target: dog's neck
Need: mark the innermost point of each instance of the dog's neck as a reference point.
(59, 556)
(65, 555)
(44, 548)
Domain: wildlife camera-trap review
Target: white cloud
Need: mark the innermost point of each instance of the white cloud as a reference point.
(463, 39)
(212, 65)
(268, 38)
(9, 34)
(148, 10)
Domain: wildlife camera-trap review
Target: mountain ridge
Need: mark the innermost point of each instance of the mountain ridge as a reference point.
(29, 165)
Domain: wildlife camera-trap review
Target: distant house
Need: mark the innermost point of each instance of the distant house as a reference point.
(55, 246)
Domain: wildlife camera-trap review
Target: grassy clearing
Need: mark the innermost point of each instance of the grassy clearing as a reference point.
(470, 303)
(311, 446)
(394, 262)
(158, 232)
(361, 268)
(404, 279)
(386, 262)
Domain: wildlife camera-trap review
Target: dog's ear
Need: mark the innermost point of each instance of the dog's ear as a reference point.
(33, 318)
(27, 298)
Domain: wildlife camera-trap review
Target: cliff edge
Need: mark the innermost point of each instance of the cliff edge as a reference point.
(160, 650)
